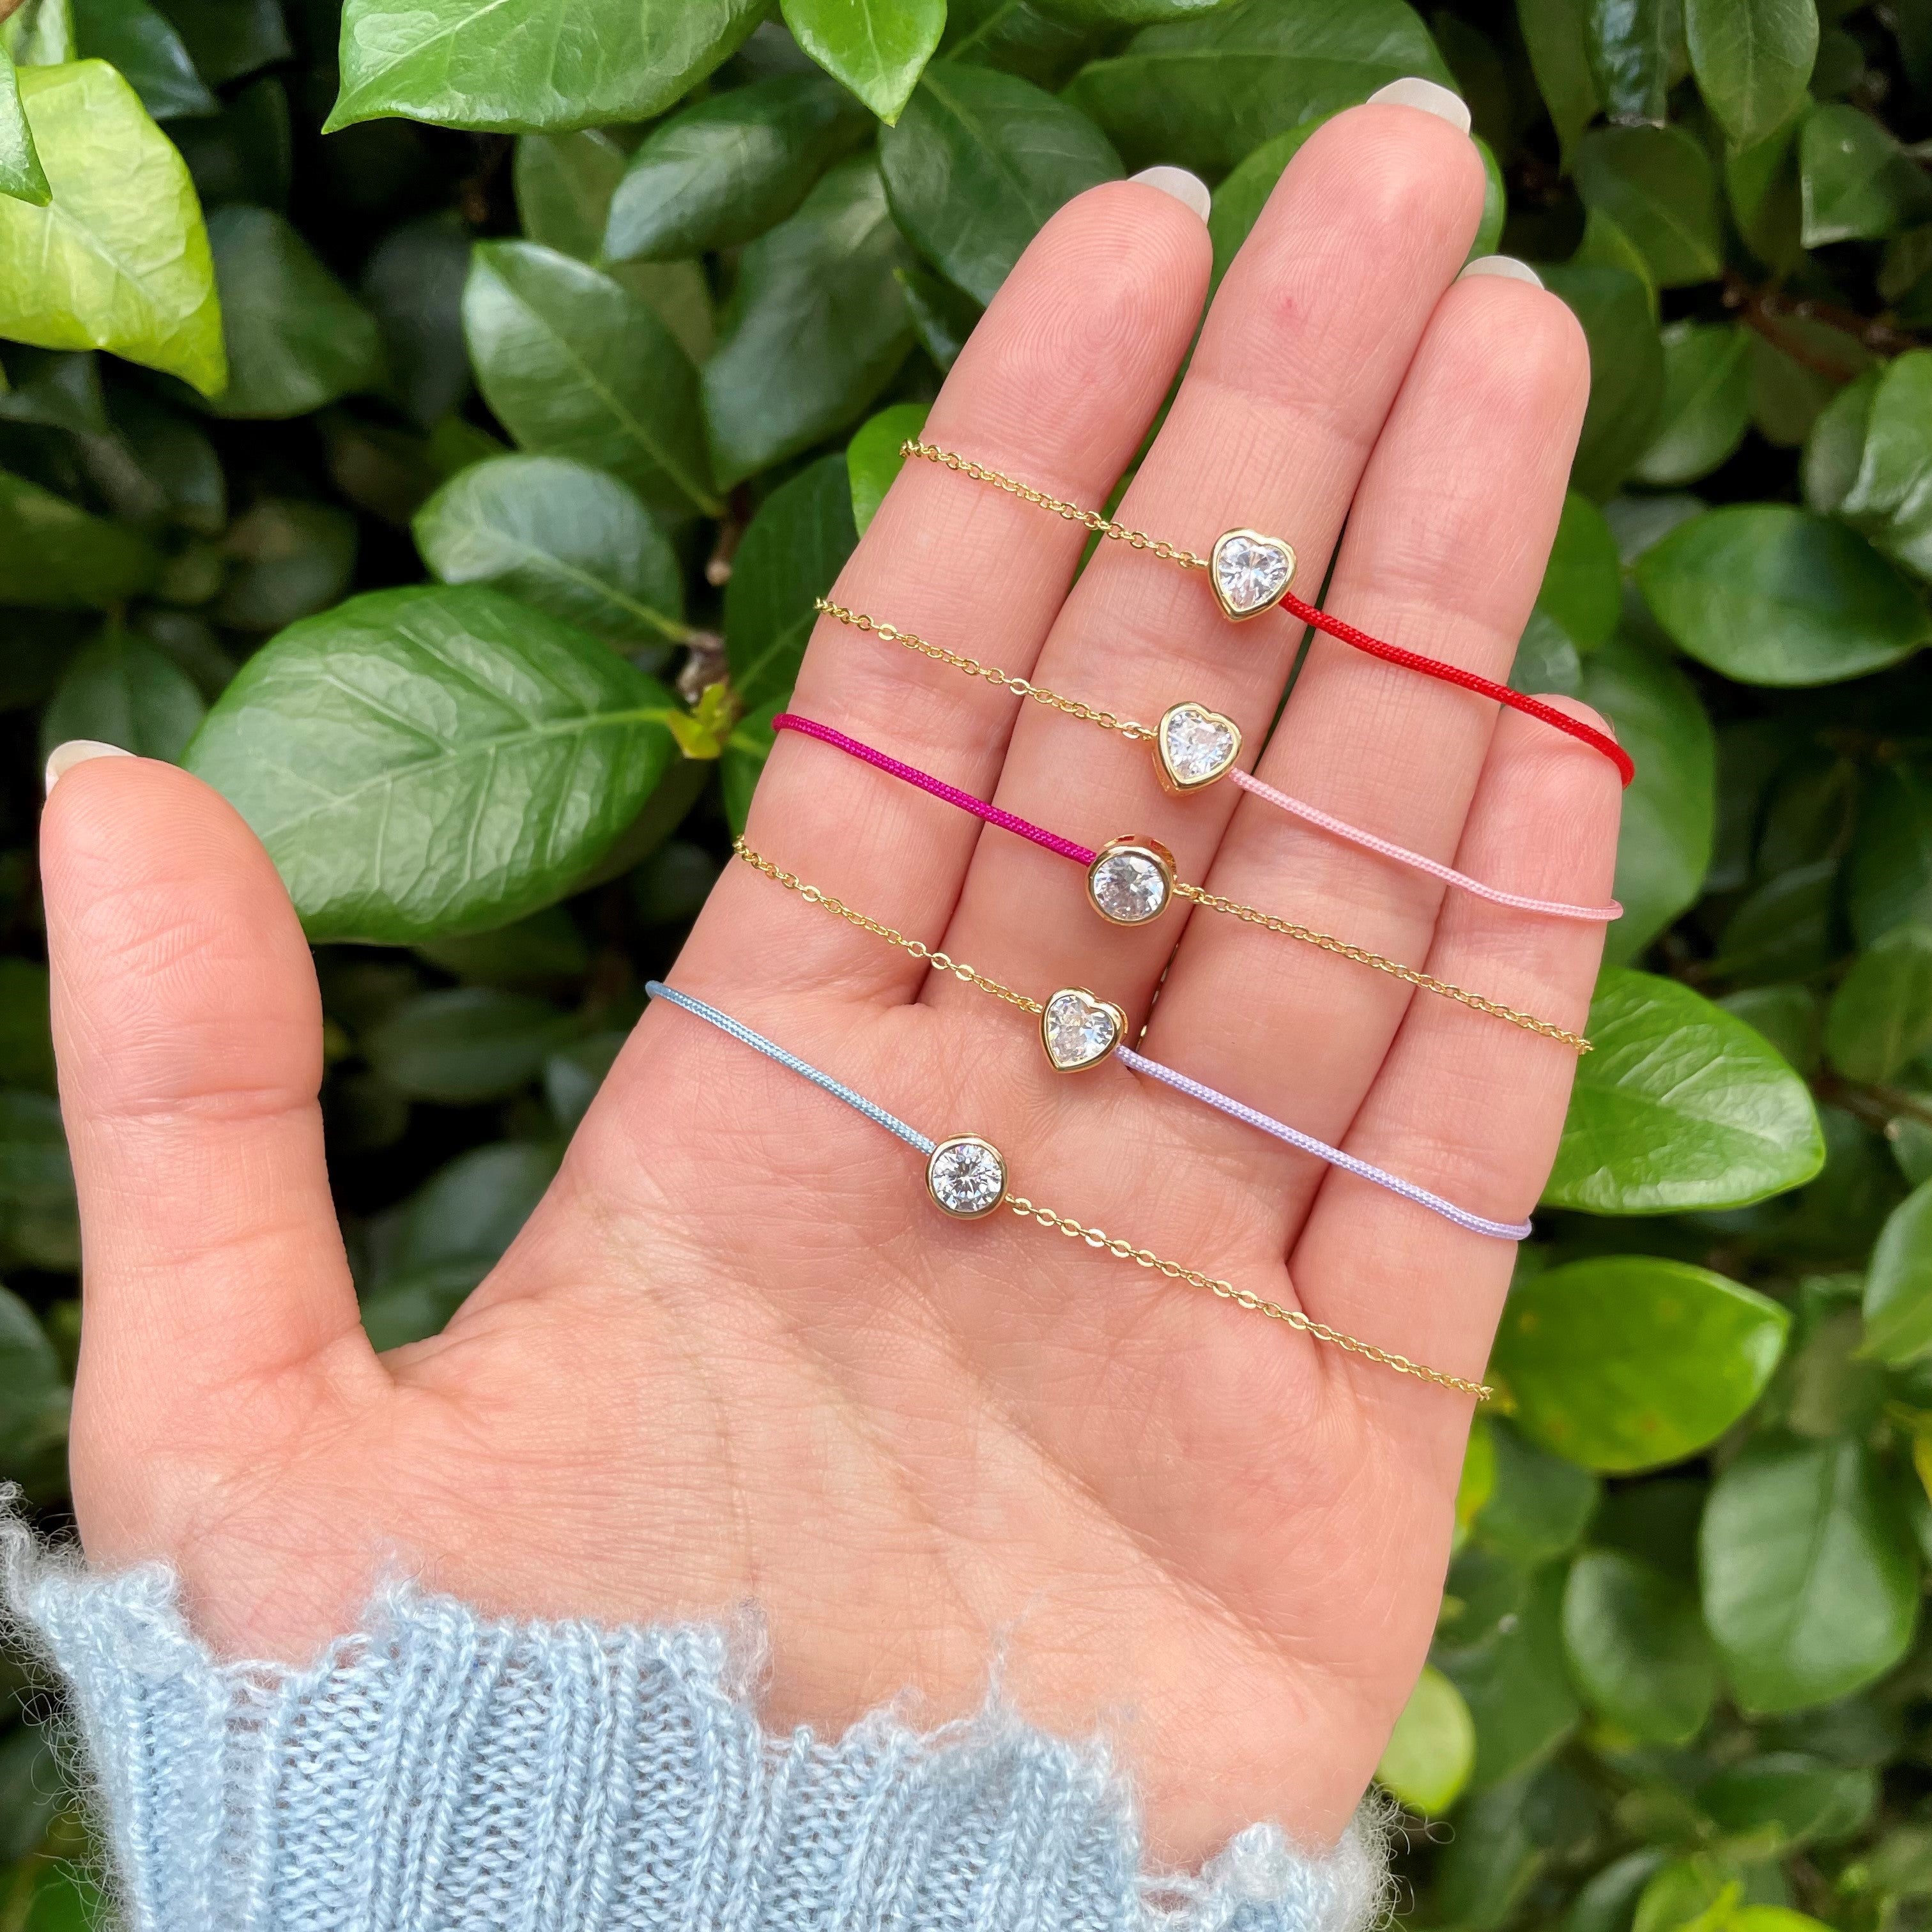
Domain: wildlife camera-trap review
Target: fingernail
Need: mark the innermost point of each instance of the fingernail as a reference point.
(1190, 190)
(1507, 266)
(1429, 97)
(63, 758)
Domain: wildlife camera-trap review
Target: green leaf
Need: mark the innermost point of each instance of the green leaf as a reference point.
(58, 558)
(877, 48)
(743, 762)
(121, 690)
(1787, 1016)
(978, 165)
(726, 170)
(794, 549)
(1898, 1283)
(532, 69)
(1041, 40)
(1630, 1361)
(39, 1222)
(290, 559)
(1795, 377)
(563, 185)
(872, 458)
(1680, 1105)
(1706, 402)
(228, 38)
(1204, 92)
(65, 1900)
(412, 284)
(144, 45)
(1770, 594)
(41, 33)
(573, 1075)
(1880, 1017)
(466, 1044)
(1582, 592)
(1606, 1901)
(1761, 182)
(1858, 183)
(1538, 1504)
(118, 258)
(1433, 1748)
(1559, 56)
(545, 946)
(1656, 184)
(1626, 372)
(21, 174)
(1629, 57)
(1781, 1800)
(1515, 1687)
(434, 759)
(571, 540)
(1811, 1584)
(1890, 876)
(816, 325)
(1664, 847)
(468, 1212)
(1239, 200)
(1752, 58)
(943, 317)
(33, 1393)
(1637, 1649)
(576, 365)
(1869, 460)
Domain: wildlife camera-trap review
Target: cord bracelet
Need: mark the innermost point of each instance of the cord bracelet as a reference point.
(1078, 1030)
(1250, 572)
(1131, 881)
(1193, 747)
(966, 1178)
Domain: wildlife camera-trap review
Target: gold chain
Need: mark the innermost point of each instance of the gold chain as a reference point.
(1252, 915)
(1102, 525)
(940, 962)
(1093, 1237)
(1020, 687)
(1104, 1243)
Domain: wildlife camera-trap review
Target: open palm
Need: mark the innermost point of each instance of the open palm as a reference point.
(736, 1354)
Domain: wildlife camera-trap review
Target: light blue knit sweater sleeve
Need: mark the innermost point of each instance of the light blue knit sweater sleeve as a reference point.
(442, 1771)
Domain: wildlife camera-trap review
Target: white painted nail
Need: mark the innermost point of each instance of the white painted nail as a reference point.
(1429, 97)
(63, 758)
(1190, 190)
(1507, 266)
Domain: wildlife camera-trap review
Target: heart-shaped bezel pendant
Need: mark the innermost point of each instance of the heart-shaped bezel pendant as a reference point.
(1079, 1029)
(1193, 746)
(1250, 572)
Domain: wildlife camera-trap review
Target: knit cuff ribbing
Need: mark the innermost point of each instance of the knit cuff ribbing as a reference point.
(441, 1772)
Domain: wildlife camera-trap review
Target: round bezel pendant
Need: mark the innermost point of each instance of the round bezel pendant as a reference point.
(1131, 881)
(1078, 1030)
(1250, 571)
(966, 1177)
(1193, 746)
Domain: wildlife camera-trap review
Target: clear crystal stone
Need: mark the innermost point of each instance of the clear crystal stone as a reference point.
(1129, 887)
(1078, 1031)
(1197, 746)
(1251, 574)
(967, 1177)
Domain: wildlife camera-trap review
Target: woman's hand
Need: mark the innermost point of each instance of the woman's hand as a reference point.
(735, 1354)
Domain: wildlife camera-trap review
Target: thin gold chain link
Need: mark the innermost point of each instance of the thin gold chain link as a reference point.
(1020, 687)
(940, 962)
(1103, 1242)
(1092, 520)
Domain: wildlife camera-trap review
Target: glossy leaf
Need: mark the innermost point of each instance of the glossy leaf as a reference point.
(563, 185)
(727, 168)
(1881, 1015)
(1752, 58)
(1706, 403)
(1769, 594)
(1680, 1105)
(977, 165)
(398, 755)
(1811, 1585)
(1628, 41)
(57, 557)
(1637, 1649)
(523, 70)
(466, 1044)
(1856, 181)
(1043, 41)
(872, 458)
(1433, 1748)
(1656, 184)
(1582, 593)
(576, 365)
(1869, 459)
(1538, 1504)
(877, 48)
(22, 177)
(1889, 878)
(1630, 1362)
(1204, 92)
(1516, 1686)
(119, 258)
(1626, 372)
(1776, 1802)
(1559, 55)
(143, 43)
(123, 691)
(1898, 1283)
(816, 326)
(570, 540)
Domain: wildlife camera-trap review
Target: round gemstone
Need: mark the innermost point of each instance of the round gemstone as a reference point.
(1251, 571)
(1130, 887)
(1079, 1029)
(1196, 745)
(967, 1177)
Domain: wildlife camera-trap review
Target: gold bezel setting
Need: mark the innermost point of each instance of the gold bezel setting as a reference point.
(1145, 856)
(1163, 762)
(938, 1184)
(1239, 613)
(1090, 1004)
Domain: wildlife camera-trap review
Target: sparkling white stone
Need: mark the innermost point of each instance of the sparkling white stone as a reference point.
(966, 1176)
(1129, 887)
(1249, 571)
(1196, 745)
(1079, 1029)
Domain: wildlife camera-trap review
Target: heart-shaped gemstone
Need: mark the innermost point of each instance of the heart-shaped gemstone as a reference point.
(1078, 1030)
(1251, 572)
(1194, 746)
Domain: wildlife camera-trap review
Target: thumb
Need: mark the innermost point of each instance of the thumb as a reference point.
(188, 1030)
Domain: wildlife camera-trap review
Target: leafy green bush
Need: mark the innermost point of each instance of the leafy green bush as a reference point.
(574, 424)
